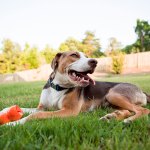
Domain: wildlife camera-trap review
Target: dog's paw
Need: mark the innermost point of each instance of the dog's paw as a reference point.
(127, 121)
(104, 119)
(107, 117)
(12, 123)
(19, 122)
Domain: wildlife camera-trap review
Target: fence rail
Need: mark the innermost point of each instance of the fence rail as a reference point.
(139, 62)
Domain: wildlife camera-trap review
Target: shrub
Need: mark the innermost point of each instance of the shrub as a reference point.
(117, 61)
(48, 53)
(3, 68)
(32, 58)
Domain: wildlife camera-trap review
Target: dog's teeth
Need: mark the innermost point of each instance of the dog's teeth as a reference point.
(78, 78)
(74, 74)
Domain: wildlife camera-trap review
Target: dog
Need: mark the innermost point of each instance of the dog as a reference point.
(70, 90)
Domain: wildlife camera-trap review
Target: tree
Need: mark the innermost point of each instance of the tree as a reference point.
(114, 51)
(3, 67)
(8, 46)
(70, 44)
(10, 59)
(142, 30)
(113, 45)
(48, 53)
(142, 43)
(31, 57)
(90, 44)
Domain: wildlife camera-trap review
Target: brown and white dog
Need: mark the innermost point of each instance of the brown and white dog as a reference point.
(70, 90)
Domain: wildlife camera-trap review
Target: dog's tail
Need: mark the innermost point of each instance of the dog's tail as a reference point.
(148, 97)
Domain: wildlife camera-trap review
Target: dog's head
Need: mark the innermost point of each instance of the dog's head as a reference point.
(74, 67)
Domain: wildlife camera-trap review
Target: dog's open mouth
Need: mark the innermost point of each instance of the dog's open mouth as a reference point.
(81, 78)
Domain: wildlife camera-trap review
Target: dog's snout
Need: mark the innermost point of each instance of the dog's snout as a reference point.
(92, 62)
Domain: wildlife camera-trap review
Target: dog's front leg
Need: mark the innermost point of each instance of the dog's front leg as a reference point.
(46, 114)
(23, 120)
(14, 123)
(30, 110)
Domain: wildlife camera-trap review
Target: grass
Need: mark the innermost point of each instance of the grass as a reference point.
(83, 132)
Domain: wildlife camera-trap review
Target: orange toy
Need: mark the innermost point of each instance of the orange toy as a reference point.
(13, 113)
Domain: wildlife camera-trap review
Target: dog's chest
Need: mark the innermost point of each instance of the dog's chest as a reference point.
(52, 98)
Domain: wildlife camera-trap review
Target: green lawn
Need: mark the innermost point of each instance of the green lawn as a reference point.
(84, 132)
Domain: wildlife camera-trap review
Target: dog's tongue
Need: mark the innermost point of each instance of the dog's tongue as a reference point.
(87, 80)
(91, 81)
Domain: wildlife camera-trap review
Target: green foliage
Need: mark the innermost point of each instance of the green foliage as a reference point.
(8, 46)
(128, 49)
(14, 59)
(90, 45)
(113, 45)
(142, 30)
(113, 51)
(32, 57)
(70, 44)
(10, 58)
(48, 53)
(97, 54)
(142, 43)
(84, 132)
(117, 61)
(3, 67)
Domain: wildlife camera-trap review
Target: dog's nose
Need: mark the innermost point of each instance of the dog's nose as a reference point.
(92, 62)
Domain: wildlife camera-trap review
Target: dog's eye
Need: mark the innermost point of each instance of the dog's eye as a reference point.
(74, 55)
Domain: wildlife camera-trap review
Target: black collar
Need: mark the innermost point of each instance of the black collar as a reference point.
(57, 87)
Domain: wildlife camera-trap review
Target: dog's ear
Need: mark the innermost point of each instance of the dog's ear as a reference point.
(54, 63)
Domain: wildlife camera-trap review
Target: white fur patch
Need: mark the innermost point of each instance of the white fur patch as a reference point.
(29, 110)
(14, 123)
(81, 64)
(52, 98)
(141, 99)
(4, 110)
(92, 107)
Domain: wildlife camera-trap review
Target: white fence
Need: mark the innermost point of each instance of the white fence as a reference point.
(133, 63)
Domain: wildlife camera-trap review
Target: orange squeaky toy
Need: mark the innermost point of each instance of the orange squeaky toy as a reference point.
(12, 113)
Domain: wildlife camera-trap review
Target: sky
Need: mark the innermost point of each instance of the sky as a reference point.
(42, 22)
